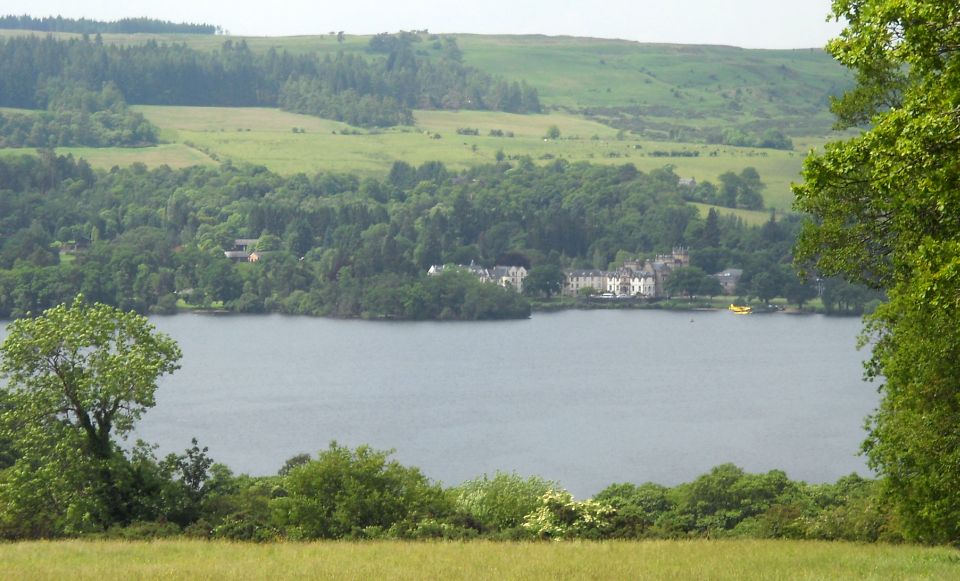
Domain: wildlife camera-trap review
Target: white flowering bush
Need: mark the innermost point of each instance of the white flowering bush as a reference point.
(559, 517)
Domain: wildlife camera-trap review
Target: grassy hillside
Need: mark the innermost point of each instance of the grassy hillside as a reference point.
(265, 136)
(206, 135)
(668, 97)
(658, 86)
(671, 85)
(795, 560)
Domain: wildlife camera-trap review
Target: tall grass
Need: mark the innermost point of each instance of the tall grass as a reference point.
(762, 560)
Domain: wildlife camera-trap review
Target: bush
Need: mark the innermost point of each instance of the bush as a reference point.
(500, 503)
(344, 492)
(559, 516)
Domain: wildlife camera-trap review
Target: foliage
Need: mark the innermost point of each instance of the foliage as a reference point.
(771, 138)
(78, 117)
(885, 213)
(311, 96)
(90, 368)
(87, 26)
(500, 504)
(351, 87)
(726, 496)
(361, 493)
(76, 377)
(559, 517)
(546, 280)
(348, 493)
(638, 507)
(690, 281)
(743, 190)
(342, 246)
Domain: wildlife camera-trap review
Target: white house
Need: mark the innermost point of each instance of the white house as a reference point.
(574, 280)
(632, 283)
(509, 276)
(636, 278)
(505, 276)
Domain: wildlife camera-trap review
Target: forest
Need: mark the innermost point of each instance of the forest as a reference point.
(339, 245)
(87, 26)
(379, 91)
(77, 117)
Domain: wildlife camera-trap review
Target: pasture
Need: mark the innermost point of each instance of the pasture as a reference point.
(289, 143)
(267, 137)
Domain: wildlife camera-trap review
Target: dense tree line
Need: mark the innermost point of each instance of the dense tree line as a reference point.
(78, 117)
(763, 133)
(381, 90)
(743, 190)
(86, 26)
(344, 246)
(885, 210)
(769, 139)
(361, 493)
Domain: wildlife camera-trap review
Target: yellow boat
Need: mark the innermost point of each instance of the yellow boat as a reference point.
(738, 310)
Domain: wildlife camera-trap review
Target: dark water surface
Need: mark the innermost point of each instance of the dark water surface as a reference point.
(585, 398)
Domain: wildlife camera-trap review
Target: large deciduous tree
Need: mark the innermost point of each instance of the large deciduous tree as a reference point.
(886, 212)
(77, 377)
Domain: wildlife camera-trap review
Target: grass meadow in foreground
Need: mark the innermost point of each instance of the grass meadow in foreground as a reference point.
(767, 560)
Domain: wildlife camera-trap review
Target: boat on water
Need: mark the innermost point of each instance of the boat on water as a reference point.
(738, 310)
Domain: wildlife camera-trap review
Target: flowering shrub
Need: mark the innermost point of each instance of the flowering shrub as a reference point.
(559, 516)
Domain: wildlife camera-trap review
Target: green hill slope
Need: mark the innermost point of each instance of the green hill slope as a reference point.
(662, 87)
(666, 99)
(678, 92)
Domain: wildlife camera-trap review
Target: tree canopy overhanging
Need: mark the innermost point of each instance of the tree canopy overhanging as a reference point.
(886, 211)
(77, 377)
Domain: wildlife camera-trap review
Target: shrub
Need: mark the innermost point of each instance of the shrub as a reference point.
(345, 492)
(501, 503)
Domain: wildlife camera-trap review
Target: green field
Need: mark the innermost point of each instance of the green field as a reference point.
(749, 217)
(265, 136)
(205, 135)
(702, 560)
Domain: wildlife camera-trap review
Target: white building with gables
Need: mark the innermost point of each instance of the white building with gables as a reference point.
(505, 276)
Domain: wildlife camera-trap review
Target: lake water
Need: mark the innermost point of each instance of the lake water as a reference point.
(586, 398)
